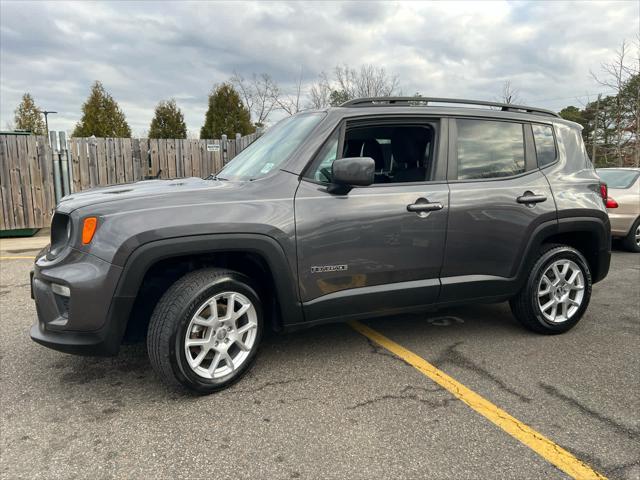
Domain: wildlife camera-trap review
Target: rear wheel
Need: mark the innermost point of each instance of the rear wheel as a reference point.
(205, 331)
(632, 241)
(556, 293)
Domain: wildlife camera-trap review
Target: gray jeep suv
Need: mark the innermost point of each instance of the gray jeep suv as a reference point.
(379, 207)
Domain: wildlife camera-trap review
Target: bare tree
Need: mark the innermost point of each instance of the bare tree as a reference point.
(615, 75)
(320, 93)
(510, 94)
(260, 94)
(370, 81)
(349, 83)
(291, 103)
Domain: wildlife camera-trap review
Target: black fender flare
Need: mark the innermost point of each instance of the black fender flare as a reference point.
(587, 224)
(145, 256)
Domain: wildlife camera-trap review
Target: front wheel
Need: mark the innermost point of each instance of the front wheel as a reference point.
(205, 330)
(556, 293)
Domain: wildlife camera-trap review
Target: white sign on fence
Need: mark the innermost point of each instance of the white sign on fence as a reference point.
(213, 147)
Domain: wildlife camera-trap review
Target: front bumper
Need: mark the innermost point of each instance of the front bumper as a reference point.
(89, 321)
(92, 344)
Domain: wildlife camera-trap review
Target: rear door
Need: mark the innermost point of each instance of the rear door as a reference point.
(498, 197)
(365, 253)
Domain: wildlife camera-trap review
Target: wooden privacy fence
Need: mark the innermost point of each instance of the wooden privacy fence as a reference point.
(36, 173)
(27, 190)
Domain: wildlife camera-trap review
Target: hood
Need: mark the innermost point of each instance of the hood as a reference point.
(138, 192)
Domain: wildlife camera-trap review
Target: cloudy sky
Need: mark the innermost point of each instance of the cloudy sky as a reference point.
(148, 51)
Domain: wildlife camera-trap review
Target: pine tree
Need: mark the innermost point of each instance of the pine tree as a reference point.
(29, 117)
(101, 116)
(168, 121)
(226, 114)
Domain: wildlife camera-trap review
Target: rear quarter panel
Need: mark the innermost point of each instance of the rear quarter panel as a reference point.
(573, 180)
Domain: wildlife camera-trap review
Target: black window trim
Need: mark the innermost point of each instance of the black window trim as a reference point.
(440, 148)
(530, 158)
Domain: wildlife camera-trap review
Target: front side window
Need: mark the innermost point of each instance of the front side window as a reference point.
(401, 152)
(489, 149)
(271, 149)
(324, 159)
(545, 144)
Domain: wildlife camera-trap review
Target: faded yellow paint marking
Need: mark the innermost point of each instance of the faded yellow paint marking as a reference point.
(18, 258)
(537, 442)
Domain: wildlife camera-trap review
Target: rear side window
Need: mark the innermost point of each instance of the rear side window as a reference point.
(489, 149)
(545, 144)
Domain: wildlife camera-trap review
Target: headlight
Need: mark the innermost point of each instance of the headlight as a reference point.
(60, 232)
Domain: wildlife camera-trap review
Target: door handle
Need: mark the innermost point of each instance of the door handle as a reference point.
(424, 207)
(529, 197)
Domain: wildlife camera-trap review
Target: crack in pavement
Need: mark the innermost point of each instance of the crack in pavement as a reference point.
(615, 470)
(378, 350)
(452, 356)
(618, 469)
(627, 431)
(406, 395)
(263, 386)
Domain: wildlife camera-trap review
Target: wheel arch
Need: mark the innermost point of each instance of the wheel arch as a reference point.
(154, 266)
(591, 236)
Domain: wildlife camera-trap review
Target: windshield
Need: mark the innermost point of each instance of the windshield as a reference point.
(271, 149)
(618, 178)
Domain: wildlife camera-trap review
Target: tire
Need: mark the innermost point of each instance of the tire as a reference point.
(630, 242)
(527, 305)
(214, 333)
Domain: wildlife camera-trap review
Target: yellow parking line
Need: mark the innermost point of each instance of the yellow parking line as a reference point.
(17, 258)
(537, 442)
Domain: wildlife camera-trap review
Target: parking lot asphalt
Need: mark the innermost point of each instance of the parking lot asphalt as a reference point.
(329, 403)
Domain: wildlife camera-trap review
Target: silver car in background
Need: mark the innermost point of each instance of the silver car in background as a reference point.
(623, 204)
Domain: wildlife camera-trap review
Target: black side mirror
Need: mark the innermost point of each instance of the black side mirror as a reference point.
(352, 172)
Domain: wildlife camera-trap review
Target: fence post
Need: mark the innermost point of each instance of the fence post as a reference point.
(223, 148)
(57, 183)
(64, 164)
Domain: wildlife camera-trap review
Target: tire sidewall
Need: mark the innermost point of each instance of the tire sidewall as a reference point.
(539, 269)
(630, 239)
(181, 369)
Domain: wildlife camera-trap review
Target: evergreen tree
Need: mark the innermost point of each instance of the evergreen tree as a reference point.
(168, 121)
(101, 116)
(226, 114)
(29, 117)
(338, 97)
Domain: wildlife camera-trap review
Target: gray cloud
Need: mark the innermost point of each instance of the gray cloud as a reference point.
(145, 52)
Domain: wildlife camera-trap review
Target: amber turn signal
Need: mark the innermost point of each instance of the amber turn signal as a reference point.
(88, 229)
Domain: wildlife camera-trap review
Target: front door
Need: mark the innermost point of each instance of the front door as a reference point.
(378, 249)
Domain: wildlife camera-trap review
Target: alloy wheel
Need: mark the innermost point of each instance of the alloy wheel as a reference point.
(220, 335)
(560, 291)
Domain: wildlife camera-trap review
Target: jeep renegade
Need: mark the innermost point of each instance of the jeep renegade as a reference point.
(379, 207)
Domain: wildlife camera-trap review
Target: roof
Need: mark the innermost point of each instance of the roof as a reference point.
(15, 132)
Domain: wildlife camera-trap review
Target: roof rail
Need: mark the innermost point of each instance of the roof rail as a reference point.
(425, 101)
